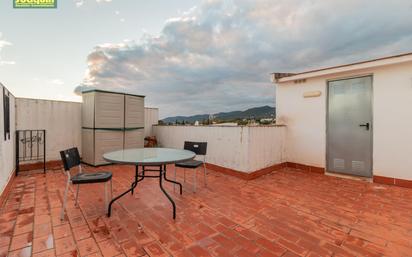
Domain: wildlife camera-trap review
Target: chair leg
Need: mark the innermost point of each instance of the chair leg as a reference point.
(65, 199)
(77, 195)
(204, 173)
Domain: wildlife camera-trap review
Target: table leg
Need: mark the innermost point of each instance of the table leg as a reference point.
(136, 178)
(134, 184)
(142, 176)
(171, 181)
(167, 195)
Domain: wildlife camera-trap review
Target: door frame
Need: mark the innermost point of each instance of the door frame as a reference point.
(371, 121)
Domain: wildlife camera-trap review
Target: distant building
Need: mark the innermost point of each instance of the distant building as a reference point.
(232, 124)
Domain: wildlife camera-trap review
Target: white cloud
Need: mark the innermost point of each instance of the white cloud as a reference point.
(80, 3)
(4, 43)
(218, 56)
(7, 62)
(58, 82)
(54, 82)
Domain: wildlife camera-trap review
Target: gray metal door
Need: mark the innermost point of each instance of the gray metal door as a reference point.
(349, 126)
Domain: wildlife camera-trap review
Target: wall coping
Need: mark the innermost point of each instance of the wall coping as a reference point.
(48, 100)
(224, 126)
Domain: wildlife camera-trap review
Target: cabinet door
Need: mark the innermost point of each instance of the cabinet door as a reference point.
(88, 110)
(134, 112)
(88, 146)
(109, 110)
(133, 139)
(107, 141)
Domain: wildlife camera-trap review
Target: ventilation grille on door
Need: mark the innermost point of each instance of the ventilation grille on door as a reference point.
(358, 166)
(339, 164)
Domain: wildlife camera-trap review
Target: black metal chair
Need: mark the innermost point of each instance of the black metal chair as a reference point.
(199, 148)
(71, 158)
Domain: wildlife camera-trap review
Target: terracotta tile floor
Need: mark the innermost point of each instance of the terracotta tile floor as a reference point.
(286, 213)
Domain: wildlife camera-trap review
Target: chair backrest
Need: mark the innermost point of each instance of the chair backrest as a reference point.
(70, 158)
(199, 148)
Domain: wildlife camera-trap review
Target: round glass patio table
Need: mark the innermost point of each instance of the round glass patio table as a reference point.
(151, 160)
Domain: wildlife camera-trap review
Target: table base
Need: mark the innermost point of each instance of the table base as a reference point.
(139, 177)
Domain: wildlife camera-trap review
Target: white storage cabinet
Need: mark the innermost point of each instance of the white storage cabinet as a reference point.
(110, 121)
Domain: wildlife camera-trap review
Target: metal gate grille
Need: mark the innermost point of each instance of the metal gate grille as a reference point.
(30, 146)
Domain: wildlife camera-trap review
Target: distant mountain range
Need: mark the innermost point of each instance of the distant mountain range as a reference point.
(255, 113)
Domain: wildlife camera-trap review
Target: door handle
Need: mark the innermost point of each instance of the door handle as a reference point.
(365, 125)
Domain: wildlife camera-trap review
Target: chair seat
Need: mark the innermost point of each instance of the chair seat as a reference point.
(87, 178)
(191, 164)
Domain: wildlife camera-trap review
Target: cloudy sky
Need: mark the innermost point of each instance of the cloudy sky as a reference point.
(188, 56)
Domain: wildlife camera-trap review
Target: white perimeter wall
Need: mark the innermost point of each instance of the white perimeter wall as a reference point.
(392, 119)
(266, 146)
(151, 117)
(7, 148)
(241, 148)
(61, 120)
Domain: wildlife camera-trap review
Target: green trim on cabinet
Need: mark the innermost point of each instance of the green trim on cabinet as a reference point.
(129, 129)
(110, 92)
(114, 129)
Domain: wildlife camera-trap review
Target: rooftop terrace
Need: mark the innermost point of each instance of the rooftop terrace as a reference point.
(288, 212)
